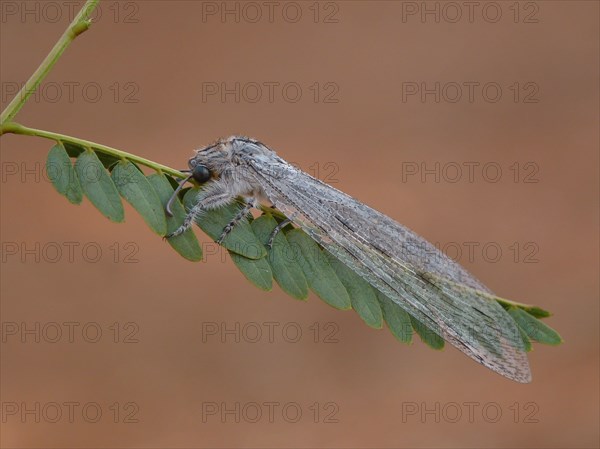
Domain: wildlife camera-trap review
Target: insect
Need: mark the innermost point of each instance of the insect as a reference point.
(414, 274)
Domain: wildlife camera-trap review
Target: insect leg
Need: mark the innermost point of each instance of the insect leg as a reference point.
(212, 201)
(250, 203)
(277, 230)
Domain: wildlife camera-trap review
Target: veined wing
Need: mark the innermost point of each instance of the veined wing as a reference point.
(413, 273)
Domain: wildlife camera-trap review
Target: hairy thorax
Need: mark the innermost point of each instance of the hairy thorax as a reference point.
(227, 160)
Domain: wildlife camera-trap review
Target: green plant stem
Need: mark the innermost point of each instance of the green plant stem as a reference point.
(80, 23)
(16, 128)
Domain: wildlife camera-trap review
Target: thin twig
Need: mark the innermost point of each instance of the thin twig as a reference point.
(80, 24)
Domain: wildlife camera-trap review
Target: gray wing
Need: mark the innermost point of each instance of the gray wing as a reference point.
(413, 273)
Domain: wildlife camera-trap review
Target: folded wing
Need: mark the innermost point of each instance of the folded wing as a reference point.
(413, 273)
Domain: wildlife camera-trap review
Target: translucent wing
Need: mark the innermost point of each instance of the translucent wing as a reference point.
(413, 273)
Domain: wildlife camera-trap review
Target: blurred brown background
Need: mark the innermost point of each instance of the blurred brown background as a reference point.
(143, 79)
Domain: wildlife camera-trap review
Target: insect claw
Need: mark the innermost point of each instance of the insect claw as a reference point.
(226, 231)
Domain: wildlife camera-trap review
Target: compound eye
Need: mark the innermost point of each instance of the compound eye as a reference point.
(201, 174)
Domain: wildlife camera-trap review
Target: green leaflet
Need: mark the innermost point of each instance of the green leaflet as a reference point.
(286, 271)
(531, 310)
(319, 274)
(137, 191)
(537, 312)
(526, 341)
(98, 187)
(534, 328)
(257, 271)
(241, 239)
(397, 320)
(185, 244)
(362, 295)
(429, 337)
(62, 174)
